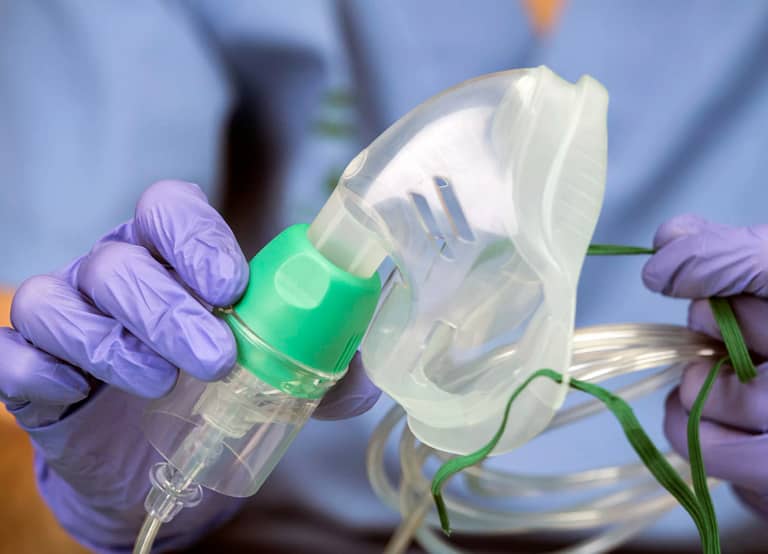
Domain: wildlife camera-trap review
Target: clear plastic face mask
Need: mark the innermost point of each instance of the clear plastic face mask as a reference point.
(486, 198)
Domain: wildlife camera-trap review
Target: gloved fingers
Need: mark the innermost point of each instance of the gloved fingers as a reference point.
(34, 386)
(60, 321)
(124, 281)
(355, 394)
(751, 313)
(124, 232)
(756, 500)
(174, 220)
(681, 226)
(729, 454)
(730, 402)
(698, 259)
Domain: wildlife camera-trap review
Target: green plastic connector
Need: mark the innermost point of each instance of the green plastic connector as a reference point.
(308, 316)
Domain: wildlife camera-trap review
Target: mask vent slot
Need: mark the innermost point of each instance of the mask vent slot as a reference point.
(453, 210)
(429, 223)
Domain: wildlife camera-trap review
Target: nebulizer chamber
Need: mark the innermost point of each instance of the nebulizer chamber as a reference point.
(485, 199)
(296, 327)
(228, 435)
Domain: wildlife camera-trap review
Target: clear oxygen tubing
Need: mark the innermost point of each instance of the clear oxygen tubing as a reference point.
(622, 499)
(147, 534)
(171, 491)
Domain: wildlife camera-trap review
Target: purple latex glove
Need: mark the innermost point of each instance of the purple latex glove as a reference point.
(93, 342)
(697, 259)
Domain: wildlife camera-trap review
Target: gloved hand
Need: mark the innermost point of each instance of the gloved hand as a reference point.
(697, 259)
(94, 341)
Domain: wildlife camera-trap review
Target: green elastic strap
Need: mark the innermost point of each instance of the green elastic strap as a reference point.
(721, 308)
(710, 543)
(657, 464)
(698, 502)
(617, 250)
(733, 339)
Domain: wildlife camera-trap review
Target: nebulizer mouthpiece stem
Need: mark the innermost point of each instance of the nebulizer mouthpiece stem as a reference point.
(341, 238)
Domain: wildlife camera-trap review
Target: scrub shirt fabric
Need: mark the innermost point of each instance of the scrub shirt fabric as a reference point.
(100, 99)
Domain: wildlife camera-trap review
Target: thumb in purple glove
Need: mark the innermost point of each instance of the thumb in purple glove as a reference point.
(697, 259)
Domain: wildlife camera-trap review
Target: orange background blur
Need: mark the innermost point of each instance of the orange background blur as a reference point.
(26, 525)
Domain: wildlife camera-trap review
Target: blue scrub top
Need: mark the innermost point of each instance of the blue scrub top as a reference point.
(100, 99)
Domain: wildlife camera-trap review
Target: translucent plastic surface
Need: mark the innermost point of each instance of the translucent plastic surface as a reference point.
(621, 500)
(228, 435)
(485, 197)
